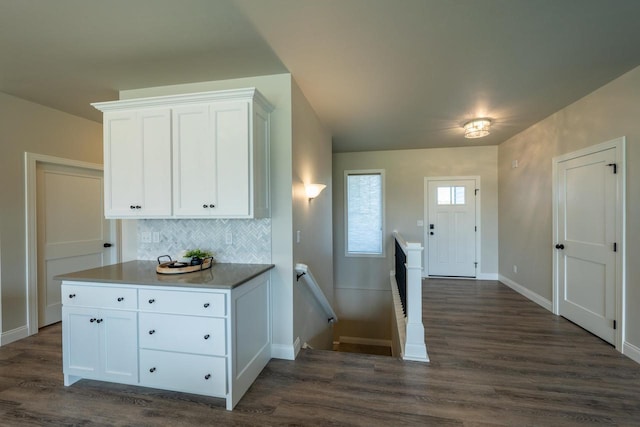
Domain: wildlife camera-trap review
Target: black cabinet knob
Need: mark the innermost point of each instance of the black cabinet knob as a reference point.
(206, 305)
(152, 370)
(120, 299)
(99, 321)
(132, 207)
(138, 207)
(205, 206)
(212, 206)
(151, 332)
(92, 320)
(206, 377)
(206, 337)
(72, 295)
(151, 301)
(560, 246)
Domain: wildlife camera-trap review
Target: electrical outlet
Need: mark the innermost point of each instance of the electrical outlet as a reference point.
(145, 237)
(156, 237)
(228, 238)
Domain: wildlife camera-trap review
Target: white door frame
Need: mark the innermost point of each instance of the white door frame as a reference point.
(425, 240)
(620, 233)
(31, 248)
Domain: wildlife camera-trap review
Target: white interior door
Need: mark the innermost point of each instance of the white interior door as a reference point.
(586, 191)
(450, 230)
(71, 229)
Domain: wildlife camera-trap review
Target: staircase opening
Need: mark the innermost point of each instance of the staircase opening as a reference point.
(379, 350)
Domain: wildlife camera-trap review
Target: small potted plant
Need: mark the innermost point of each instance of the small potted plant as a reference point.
(197, 256)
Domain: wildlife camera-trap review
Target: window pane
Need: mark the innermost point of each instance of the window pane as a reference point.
(364, 214)
(459, 195)
(444, 195)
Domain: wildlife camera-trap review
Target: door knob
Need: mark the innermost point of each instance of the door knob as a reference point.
(107, 245)
(431, 233)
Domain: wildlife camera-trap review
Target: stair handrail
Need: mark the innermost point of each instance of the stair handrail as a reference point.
(414, 347)
(303, 271)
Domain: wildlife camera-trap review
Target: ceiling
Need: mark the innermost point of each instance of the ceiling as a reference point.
(381, 74)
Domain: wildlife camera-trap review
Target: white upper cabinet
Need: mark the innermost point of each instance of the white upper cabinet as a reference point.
(203, 155)
(137, 158)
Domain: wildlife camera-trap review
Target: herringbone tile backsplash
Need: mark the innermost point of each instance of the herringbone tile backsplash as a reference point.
(251, 238)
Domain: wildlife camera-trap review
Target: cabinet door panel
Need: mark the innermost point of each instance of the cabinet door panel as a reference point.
(194, 162)
(155, 128)
(231, 138)
(120, 343)
(81, 341)
(201, 335)
(183, 372)
(123, 156)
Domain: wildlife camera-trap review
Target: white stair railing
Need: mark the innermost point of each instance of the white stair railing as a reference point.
(302, 271)
(410, 329)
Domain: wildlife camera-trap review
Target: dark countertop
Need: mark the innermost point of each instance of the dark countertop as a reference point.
(220, 276)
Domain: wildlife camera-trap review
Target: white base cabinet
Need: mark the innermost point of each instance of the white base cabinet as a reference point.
(213, 342)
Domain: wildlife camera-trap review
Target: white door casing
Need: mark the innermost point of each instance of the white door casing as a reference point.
(588, 239)
(109, 255)
(450, 226)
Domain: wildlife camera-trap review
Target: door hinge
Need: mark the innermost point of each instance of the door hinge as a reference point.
(615, 247)
(475, 228)
(615, 167)
(615, 325)
(475, 192)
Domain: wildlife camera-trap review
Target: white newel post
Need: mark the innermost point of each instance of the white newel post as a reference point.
(415, 347)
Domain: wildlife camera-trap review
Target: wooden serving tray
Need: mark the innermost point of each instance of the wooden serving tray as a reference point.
(176, 267)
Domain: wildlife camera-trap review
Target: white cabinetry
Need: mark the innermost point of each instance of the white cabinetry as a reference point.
(99, 334)
(137, 162)
(203, 155)
(213, 342)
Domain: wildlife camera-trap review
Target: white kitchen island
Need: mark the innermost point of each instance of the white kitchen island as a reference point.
(206, 332)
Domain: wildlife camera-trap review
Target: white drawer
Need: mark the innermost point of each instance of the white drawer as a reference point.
(187, 334)
(99, 296)
(179, 302)
(183, 372)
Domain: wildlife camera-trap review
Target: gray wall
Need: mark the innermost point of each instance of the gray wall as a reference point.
(525, 193)
(311, 164)
(29, 127)
(362, 293)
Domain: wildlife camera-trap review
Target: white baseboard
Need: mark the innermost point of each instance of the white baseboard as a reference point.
(285, 351)
(14, 335)
(365, 341)
(488, 276)
(631, 351)
(540, 300)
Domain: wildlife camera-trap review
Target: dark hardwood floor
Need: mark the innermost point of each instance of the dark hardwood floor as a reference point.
(496, 359)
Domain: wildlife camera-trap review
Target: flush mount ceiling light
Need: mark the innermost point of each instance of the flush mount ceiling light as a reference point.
(477, 128)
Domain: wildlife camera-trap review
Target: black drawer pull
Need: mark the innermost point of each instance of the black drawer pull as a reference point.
(151, 301)
(151, 332)
(72, 295)
(206, 305)
(152, 370)
(206, 377)
(206, 337)
(120, 299)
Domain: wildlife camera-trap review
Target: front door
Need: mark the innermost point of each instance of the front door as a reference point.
(450, 227)
(72, 230)
(586, 247)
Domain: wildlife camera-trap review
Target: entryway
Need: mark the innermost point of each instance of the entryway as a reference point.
(67, 230)
(451, 226)
(588, 238)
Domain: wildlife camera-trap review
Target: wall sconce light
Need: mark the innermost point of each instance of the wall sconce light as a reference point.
(477, 128)
(313, 190)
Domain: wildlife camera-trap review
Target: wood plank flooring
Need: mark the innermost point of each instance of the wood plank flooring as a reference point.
(496, 359)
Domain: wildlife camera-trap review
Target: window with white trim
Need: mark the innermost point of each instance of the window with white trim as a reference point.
(364, 200)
